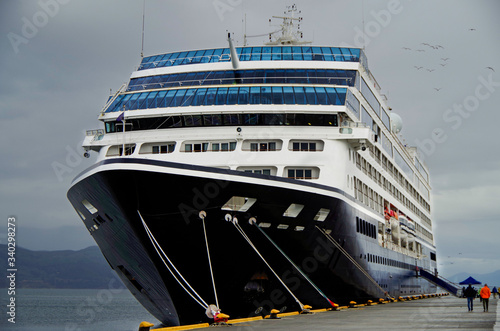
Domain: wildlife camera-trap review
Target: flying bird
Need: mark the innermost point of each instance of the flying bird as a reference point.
(418, 68)
(472, 29)
(443, 64)
(407, 49)
(445, 58)
(490, 68)
(438, 89)
(430, 70)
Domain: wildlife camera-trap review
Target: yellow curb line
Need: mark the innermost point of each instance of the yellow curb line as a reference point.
(184, 327)
(242, 320)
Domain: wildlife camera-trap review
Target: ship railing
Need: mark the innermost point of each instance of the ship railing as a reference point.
(243, 80)
(94, 132)
(98, 134)
(201, 59)
(113, 98)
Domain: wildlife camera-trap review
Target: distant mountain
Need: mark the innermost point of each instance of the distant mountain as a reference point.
(492, 279)
(86, 268)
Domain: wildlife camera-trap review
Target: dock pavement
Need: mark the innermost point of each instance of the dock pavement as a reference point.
(436, 313)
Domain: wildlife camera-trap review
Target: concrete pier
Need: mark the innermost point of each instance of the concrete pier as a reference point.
(438, 313)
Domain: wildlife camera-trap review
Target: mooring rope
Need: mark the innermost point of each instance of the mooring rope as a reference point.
(202, 216)
(242, 232)
(294, 265)
(350, 258)
(158, 248)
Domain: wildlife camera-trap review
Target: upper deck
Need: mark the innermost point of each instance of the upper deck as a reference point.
(254, 53)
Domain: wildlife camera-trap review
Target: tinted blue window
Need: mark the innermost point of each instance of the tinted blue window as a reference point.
(337, 55)
(311, 96)
(123, 102)
(288, 95)
(321, 76)
(206, 56)
(228, 77)
(270, 75)
(159, 100)
(132, 103)
(200, 78)
(216, 56)
(189, 57)
(146, 81)
(210, 97)
(154, 82)
(243, 95)
(199, 97)
(181, 77)
(341, 93)
(177, 100)
(166, 57)
(347, 54)
(221, 96)
(245, 54)
(321, 94)
(297, 53)
(265, 95)
(307, 53)
(180, 58)
(266, 53)
(171, 60)
(287, 53)
(276, 53)
(317, 54)
(151, 100)
(277, 95)
(117, 103)
(171, 79)
(280, 76)
(256, 53)
(188, 97)
(332, 96)
(327, 53)
(169, 98)
(300, 97)
(255, 95)
(198, 56)
(225, 55)
(189, 80)
(232, 96)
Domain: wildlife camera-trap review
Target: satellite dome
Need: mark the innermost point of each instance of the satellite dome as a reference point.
(396, 123)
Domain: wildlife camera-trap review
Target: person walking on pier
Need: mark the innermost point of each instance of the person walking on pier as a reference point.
(485, 295)
(494, 291)
(470, 294)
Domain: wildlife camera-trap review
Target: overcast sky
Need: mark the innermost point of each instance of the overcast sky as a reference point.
(60, 58)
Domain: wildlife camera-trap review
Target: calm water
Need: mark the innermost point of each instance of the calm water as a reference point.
(74, 310)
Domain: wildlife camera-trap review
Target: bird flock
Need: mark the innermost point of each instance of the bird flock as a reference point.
(427, 47)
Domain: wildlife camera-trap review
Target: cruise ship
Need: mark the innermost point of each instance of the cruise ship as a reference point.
(237, 180)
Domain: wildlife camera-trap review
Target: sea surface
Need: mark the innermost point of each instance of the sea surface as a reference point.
(73, 310)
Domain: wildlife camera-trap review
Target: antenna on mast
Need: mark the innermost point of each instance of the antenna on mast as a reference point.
(143, 15)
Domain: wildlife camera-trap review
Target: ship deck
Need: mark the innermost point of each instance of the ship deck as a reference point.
(443, 313)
